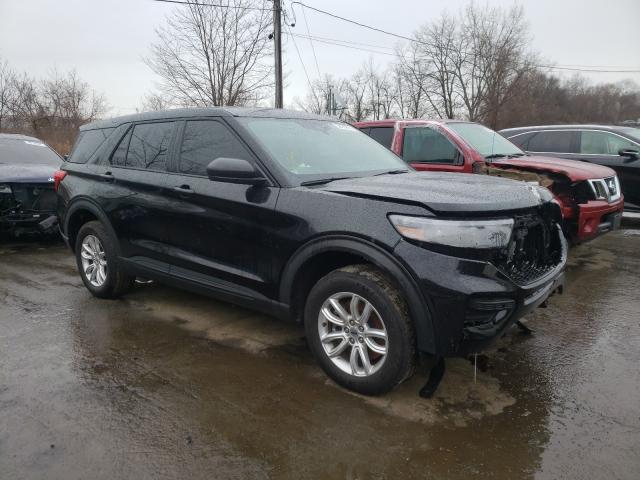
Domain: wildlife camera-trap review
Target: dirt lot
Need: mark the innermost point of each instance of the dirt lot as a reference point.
(165, 384)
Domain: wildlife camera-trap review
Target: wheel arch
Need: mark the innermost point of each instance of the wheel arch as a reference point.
(80, 212)
(320, 256)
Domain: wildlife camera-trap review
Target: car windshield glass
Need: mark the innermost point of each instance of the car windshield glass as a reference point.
(316, 149)
(633, 133)
(27, 152)
(487, 142)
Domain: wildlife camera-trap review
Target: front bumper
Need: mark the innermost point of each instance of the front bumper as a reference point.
(597, 217)
(471, 302)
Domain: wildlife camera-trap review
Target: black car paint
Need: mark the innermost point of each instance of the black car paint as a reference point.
(627, 168)
(250, 243)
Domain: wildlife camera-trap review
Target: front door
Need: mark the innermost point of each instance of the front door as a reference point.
(219, 232)
(426, 148)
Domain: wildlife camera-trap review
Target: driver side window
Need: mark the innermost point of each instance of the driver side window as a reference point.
(426, 145)
(603, 143)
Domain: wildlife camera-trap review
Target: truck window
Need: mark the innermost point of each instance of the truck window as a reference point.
(426, 145)
(382, 135)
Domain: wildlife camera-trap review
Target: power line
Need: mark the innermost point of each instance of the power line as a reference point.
(302, 63)
(335, 43)
(414, 40)
(236, 7)
(313, 49)
(351, 42)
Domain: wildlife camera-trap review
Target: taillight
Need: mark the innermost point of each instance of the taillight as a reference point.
(57, 178)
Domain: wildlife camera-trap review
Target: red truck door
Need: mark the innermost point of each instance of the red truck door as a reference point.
(426, 147)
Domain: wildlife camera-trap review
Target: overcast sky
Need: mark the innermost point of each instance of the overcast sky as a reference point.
(106, 40)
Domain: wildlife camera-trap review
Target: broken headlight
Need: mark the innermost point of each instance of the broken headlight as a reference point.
(455, 233)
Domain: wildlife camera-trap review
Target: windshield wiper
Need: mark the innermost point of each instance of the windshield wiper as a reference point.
(392, 172)
(320, 181)
(495, 155)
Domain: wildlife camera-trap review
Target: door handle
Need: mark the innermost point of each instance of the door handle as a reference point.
(183, 190)
(107, 177)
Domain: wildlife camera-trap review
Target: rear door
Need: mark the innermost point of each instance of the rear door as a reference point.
(427, 148)
(132, 190)
(219, 232)
(554, 143)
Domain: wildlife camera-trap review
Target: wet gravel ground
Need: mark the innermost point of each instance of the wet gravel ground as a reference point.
(165, 384)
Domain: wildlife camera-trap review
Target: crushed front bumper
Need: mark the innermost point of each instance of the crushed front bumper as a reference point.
(20, 223)
(472, 302)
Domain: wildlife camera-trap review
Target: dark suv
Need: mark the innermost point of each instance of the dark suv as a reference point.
(614, 147)
(306, 218)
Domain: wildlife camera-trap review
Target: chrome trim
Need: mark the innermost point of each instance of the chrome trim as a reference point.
(601, 188)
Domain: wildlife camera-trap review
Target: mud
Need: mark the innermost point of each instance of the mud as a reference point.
(165, 384)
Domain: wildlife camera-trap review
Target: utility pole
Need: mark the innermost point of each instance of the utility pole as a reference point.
(277, 41)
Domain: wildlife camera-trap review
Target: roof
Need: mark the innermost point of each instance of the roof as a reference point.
(17, 136)
(206, 112)
(390, 122)
(565, 126)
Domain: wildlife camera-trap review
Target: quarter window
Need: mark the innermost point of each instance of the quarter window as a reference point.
(426, 145)
(551, 141)
(88, 144)
(603, 143)
(203, 142)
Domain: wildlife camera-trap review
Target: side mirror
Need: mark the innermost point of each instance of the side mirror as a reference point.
(234, 170)
(629, 153)
(66, 157)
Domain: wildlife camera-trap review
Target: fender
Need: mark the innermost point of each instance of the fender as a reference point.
(85, 203)
(418, 307)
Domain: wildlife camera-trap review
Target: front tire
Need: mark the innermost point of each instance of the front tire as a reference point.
(97, 262)
(358, 328)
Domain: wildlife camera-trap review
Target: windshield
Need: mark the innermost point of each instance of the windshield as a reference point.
(488, 143)
(19, 151)
(316, 149)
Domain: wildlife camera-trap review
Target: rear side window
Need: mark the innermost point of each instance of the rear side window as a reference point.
(88, 143)
(204, 141)
(552, 142)
(426, 145)
(382, 135)
(145, 146)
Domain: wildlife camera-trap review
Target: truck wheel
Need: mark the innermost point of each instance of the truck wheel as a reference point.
(98, 264)
(358, 328)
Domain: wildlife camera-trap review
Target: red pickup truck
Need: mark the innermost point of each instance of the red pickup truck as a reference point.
(589, 194)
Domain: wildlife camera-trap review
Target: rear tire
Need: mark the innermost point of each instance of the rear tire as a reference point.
(97, 262)
(358, 328)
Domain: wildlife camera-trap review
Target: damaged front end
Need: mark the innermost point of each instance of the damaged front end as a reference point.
(27, 208)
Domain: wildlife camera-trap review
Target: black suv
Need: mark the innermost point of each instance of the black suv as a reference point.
(614, 147)
(306, 218)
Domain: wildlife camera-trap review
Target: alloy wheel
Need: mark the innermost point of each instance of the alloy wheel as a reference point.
(94, 260)
(353, 334)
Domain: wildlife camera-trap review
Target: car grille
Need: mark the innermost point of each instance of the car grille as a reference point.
(536, 248)
(606, 188)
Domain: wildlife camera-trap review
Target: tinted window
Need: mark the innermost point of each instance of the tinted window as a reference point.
(119, 157)
(521, 140)
(426, 145)
(603, 143)
(88, 143)
(559, 142)
(204, 141)
(27, 151)
(149, 146)
(382, 135)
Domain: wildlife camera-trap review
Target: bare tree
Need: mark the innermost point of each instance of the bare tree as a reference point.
(212, 55)
(7, 92)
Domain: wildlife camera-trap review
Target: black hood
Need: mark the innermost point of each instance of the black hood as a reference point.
(446, 192)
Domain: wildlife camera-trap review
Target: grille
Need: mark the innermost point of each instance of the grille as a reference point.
(606, 188)
(535, 250)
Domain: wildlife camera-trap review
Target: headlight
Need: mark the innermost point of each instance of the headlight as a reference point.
(455, 233)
